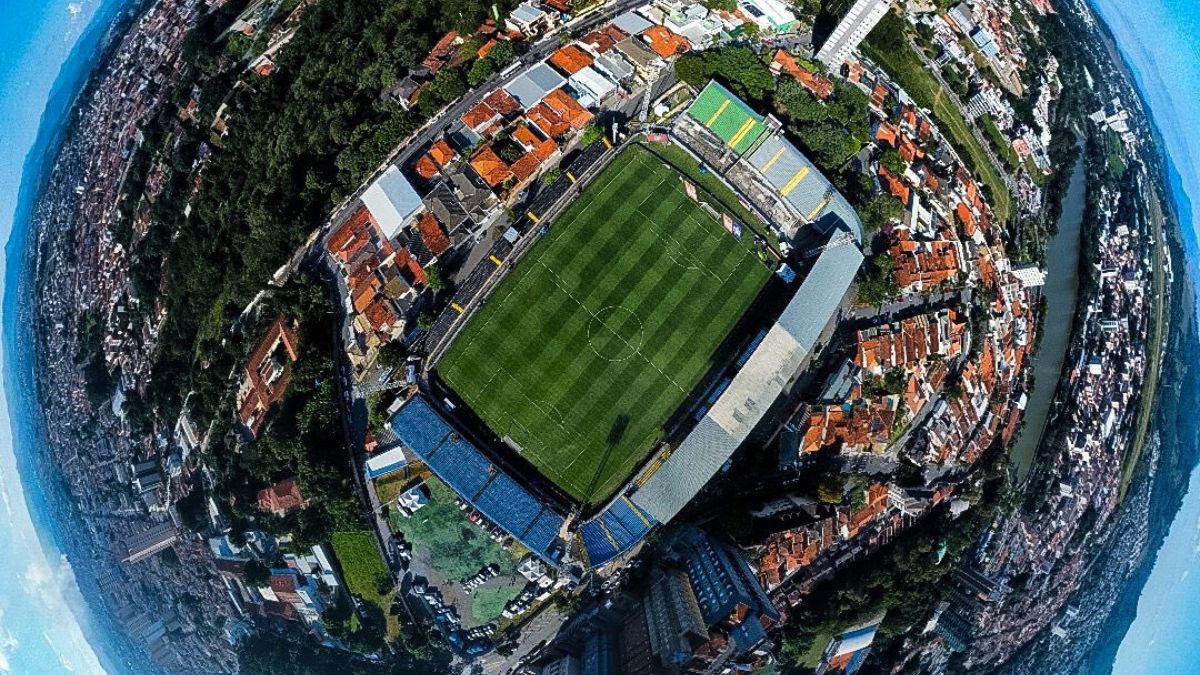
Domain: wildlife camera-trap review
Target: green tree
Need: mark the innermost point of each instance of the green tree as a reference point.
(892, 161)
(481, 70)
(831, 488)
(690, 68)
(447, 85)
(881, 210)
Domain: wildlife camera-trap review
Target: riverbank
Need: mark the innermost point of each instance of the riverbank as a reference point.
(1061, 293)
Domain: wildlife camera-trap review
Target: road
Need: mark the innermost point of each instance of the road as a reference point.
(1001, 167)
(447, 118)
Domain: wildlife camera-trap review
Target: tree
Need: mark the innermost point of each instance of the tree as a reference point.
(881, 210)
(591, 134)
(726, 5)
(433, 278)
(481, 70)
(552, 176)
(892, 161)
(502, 54)
(831, 488)
(392, 354)
(690, 69)
(447, 85)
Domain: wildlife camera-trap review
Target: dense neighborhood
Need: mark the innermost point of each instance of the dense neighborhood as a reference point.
(627, 337)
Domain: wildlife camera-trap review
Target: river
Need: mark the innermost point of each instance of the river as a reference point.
(1061, 292)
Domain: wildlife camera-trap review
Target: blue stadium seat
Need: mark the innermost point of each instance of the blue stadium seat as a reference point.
(419, 427)
(599, 549)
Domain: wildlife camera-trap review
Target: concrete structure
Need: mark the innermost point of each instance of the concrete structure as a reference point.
(532, 86)
(769, 370)
(391, 200)
(771, 16)
(145, 544)
(851, 30)
(1029, 275)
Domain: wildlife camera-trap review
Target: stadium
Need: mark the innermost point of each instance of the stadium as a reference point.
(612, 367)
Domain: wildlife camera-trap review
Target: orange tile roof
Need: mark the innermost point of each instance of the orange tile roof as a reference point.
(479, 115)
(526, 166)
(568, 108)
(425, 167)
(544, 118)
(487, 47)
(442, 53)
(968, 220)
(431, 234)
(886, 133)
(442, 153)
(821, 87)
(571, 59)
(895, 185)
(502, 102)
(490, 167)
(665, 43)
(604, 39)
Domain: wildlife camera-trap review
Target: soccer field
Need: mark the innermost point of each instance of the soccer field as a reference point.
(598, 335)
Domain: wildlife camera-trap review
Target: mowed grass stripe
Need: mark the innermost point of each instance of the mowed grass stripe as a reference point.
(627, 242)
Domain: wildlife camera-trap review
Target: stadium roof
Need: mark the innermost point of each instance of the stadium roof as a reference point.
(755, 387)
(803, 186)
(473, 477)
(719, 111)
(532, 85)
(391, 200)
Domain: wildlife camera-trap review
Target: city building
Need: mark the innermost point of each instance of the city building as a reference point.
(392, 200)
(847, 651)
(144, 544)
(281, 497)
(851, 30)
(266, 378)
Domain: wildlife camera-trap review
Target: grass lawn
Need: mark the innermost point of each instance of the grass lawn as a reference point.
(598, 336)
(905, 67)
(388, 488)
(363, 567)
(687, 165)
(456, 547)
(1000, 144)
(488, 603)
(442, 536)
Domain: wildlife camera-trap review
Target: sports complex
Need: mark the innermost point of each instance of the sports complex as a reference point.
(615, 359)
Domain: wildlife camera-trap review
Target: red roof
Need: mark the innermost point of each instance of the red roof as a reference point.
(490, 167)
(821, 87)
(431, 234)
(281, 497)
(442, 153)
(502, 102)
(571, 59)
(425, 167)
(665, 43)
(603, 39)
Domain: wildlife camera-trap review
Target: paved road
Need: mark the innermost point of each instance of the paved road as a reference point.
(449, 117)
(1001, 167)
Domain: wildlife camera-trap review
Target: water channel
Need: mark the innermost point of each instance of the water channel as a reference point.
(1061, 292)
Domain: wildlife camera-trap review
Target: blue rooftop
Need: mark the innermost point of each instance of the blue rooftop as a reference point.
(461, 465)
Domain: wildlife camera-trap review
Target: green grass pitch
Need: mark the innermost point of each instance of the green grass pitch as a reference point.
(599, 334)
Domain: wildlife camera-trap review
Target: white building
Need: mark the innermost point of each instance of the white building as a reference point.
(392, 200)
(851, 30)
(771, 16)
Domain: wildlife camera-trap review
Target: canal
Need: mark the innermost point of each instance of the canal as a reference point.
(1061, 291)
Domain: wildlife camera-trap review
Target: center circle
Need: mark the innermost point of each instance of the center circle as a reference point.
(615, 333)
